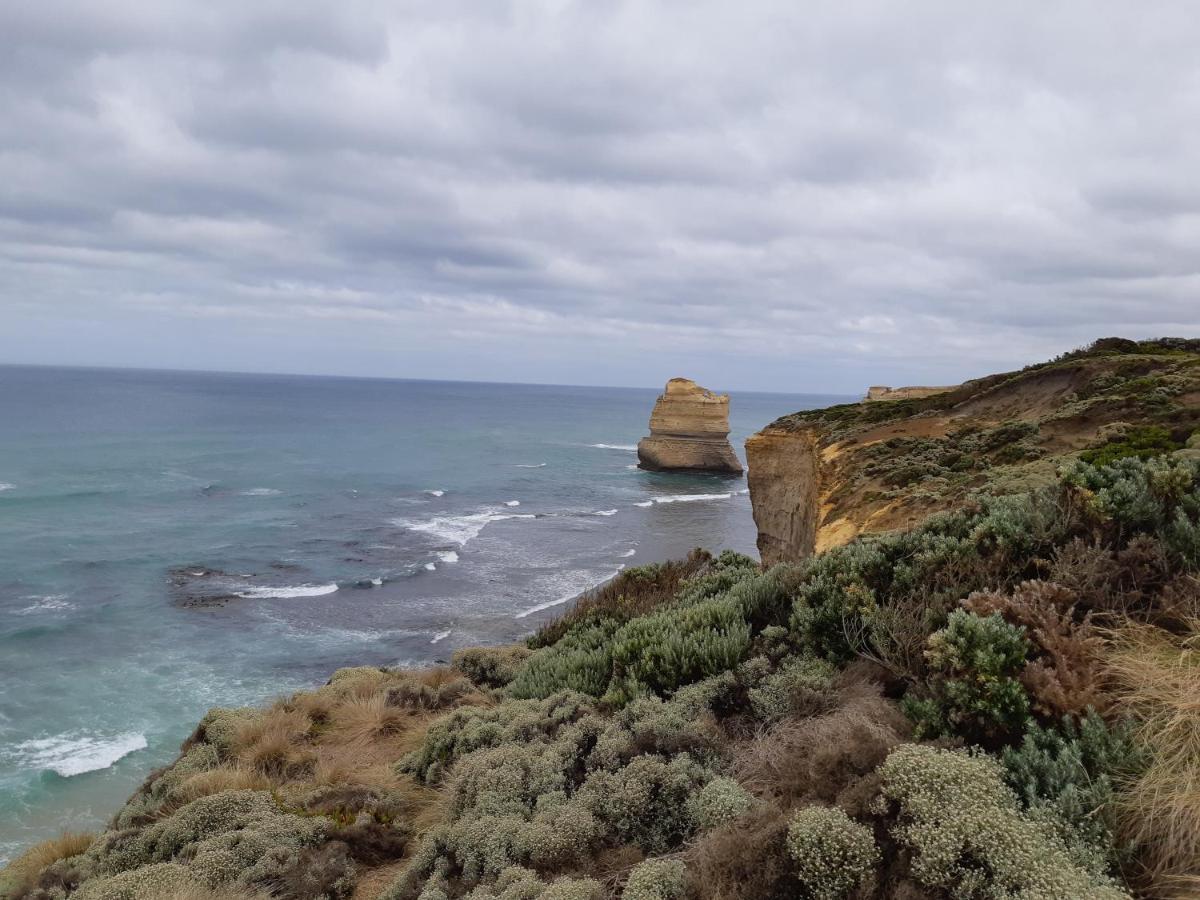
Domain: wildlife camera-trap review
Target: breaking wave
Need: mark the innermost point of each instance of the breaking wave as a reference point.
(71, 754)
(569, 597)
(459, 529)
(285, 592)
(632, 448)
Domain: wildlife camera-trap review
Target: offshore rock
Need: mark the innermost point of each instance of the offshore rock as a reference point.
(689, 432)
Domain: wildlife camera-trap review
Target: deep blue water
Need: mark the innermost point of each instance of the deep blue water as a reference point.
(174, 541)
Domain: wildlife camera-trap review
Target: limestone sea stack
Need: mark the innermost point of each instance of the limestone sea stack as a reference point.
(689, 432)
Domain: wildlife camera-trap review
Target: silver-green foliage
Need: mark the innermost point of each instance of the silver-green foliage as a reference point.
(969, 837)
(831, 853)
(656, 879)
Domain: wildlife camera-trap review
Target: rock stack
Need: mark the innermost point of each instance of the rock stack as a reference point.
(689, 432)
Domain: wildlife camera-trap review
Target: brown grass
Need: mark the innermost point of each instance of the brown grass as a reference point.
(802, 761)
(744, 860)
(29, 864)
(1158, 680)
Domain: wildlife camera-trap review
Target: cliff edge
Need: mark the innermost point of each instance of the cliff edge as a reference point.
(820, 478)
(689, 432)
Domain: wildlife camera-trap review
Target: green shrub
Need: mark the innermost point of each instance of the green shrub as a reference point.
(490, 666)
(802, 684)
(1069, 771)
(968, 836)
(645, 803)
(974, 692)
(832, 854)
(1141, 442)
(718, 802)
(656, 879)
(138, 884)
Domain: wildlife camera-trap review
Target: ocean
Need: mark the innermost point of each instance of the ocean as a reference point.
(174, 541)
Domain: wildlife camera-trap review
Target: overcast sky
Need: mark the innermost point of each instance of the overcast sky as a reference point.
(786, 196)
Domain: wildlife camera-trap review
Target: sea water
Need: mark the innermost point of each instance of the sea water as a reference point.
(175, 541)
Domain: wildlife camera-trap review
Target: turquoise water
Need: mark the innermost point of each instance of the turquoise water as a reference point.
(175, 541)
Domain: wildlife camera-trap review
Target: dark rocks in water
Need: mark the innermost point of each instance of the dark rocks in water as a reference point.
(200, 586)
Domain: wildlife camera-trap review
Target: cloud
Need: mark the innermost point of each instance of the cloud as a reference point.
(764, 194)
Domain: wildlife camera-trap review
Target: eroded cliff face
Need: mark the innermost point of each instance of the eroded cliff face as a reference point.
(784, 479)
(689, 432)
(820, 478)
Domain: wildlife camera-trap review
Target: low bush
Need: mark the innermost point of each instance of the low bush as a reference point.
(974, 692)
(833, 855)
(656, 879)
(1142, 442)
(968, 836)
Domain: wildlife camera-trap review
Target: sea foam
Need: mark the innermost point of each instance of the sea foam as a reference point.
(286, 592)
(261, 492)
(74, 754)
(441, 636)
(690, 498)
(568, 597)
(459, 529)
(530, 465)
(6, 486)
(605, 512)
(632, 448)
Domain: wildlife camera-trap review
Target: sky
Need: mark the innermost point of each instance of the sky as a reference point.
(763, 195)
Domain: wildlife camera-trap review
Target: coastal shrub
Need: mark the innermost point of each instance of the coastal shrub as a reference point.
(490, 666)
(1070, 771)
(833, 855)
(656, 879)
(974, 692)
(220, 727)
(745, 859)
(645, 803)
(475, 728)
(632, 592)
(138, 884)
(968, 836)
(803, 685)
(666, 727)
(663, 651)
(580, 661)
(718, 802)
(1064, 675)
(1140, 442)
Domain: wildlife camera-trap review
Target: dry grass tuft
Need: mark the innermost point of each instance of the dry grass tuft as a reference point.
(365, 720)
(29, 864)
(275, 744)
(802, 761)
(1158, 680)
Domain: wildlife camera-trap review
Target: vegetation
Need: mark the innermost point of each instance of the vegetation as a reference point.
(998, 703)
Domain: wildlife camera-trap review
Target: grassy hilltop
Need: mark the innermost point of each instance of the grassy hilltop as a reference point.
(1000, 702)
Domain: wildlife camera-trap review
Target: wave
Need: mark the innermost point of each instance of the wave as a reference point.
(441, 636)
(512, 502)
(69, 755)
(691, 498)
(261, 492)
(47, 603)
(632, 448)
(435, 493)
(605, 512)
(530, 465)
(569, 597)
(448, 556)
(459, 529)
(287, 592)
(7, 486)
(645, 503)
(378, 582)
(627, 554)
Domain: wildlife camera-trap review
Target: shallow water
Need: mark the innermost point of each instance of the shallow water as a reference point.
(175, 541)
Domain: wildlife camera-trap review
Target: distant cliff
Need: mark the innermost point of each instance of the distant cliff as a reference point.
(689, 432)
(819, 478)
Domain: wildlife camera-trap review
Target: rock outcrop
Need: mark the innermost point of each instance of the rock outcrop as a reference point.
(821, 478)
(689, 432)
(916, 392)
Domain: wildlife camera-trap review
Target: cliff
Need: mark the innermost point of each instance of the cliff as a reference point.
(882, 392)
(820, 478)
(689, 432)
